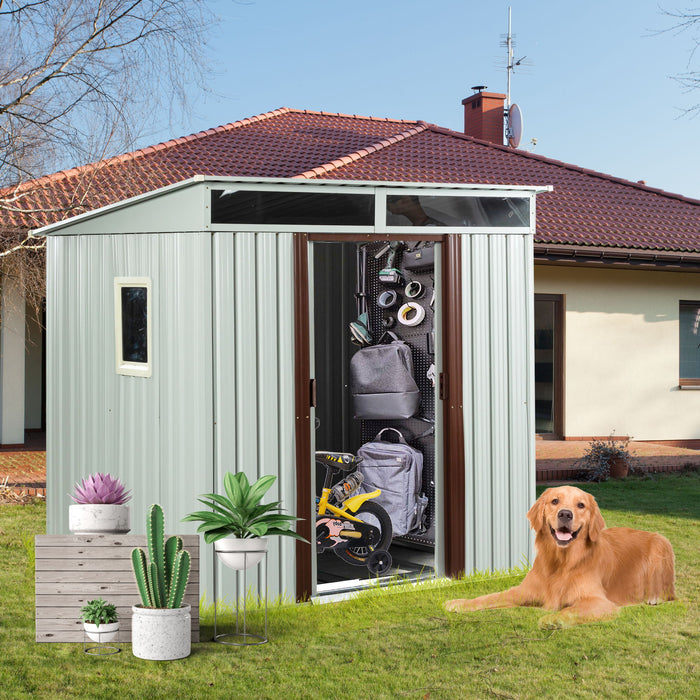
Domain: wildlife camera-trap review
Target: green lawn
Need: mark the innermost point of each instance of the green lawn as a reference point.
(394, 645)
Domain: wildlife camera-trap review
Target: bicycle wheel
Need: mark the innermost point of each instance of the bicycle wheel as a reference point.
(372, 514)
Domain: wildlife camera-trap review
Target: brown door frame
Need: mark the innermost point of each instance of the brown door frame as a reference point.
(558, 357)
(450, 393)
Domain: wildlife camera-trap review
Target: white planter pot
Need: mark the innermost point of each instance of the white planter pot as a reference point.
(99, 518)
(161, 634)
(241, 554)
(103, 633)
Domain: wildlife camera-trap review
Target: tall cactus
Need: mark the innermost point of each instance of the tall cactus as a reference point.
(162, 580)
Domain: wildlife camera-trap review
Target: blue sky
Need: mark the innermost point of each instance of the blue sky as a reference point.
(597, 91)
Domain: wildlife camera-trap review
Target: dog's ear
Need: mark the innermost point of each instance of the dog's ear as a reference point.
(536, 514)
(596, 524)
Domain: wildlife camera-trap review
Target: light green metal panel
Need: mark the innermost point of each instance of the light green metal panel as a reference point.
(500, 379)
(179, 208)
(497, 390)
(521, 445)
(128, 426)
(185, 358)
(254, 370)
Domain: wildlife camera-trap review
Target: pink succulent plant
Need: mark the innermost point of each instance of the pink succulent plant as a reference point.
(101, 488)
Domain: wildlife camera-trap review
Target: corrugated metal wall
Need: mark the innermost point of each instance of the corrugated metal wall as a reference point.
(155, 433)
(221, 397)
(497, 338)
(254, 381)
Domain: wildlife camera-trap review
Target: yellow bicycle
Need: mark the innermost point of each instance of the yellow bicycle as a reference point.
(353, 527)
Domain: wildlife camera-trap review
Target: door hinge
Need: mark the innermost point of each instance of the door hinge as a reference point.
(312, 393)
(443, 391)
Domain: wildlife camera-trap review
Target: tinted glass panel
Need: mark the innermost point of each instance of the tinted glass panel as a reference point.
(413, 210)
(312, 208)
(545, 319)
(134, 324)
(689, 324)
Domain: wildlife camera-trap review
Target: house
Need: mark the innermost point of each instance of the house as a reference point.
(616, 294)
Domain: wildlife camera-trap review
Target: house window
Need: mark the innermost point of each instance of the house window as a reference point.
(132, 318)
(689, 343)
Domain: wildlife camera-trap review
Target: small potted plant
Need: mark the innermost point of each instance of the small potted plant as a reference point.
(100, 506)
(100, 620)
(605, 459)
(238, 524)
(161, 626)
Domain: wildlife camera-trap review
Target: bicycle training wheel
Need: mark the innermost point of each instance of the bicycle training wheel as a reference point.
(373, 514)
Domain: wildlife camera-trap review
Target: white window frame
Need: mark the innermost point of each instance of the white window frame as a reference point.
(130, 368)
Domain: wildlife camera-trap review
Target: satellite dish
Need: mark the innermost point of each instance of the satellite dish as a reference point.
(515, 126)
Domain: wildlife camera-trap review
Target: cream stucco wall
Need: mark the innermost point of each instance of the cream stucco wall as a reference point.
(621, 351)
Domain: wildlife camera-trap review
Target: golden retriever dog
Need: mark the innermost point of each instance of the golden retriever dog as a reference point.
(582, 569)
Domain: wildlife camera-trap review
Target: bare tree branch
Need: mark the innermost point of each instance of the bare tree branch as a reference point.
(78, 81)
(687, 22)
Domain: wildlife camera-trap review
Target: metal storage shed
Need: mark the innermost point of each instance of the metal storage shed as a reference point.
(245, 280)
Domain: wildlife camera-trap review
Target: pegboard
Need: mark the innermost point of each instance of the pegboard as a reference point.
(420, 339)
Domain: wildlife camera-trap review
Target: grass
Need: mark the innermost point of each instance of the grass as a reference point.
(396, 644)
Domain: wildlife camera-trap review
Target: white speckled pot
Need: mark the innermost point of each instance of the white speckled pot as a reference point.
(106, 632)
(99, 518)
(161, 634)
(240, 554)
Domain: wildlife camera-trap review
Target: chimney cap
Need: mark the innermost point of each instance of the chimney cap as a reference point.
(479, 88)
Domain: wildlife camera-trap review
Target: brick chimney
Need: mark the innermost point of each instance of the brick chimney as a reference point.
(483, 115)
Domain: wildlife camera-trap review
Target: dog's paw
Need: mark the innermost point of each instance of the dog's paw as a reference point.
(455, 605)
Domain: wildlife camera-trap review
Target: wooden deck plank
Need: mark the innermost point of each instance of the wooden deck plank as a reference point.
(99, 564)
(73, 569)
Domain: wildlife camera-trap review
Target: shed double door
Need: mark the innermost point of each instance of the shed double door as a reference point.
(328, 269)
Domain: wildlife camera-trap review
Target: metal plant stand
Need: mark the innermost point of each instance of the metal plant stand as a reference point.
(242, 637)
(100, 648)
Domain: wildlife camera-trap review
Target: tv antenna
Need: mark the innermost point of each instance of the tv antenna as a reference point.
(512, 116)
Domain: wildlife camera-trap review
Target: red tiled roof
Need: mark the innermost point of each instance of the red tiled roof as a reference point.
(586, 208)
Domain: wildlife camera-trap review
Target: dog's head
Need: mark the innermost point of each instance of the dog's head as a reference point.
(565, 514)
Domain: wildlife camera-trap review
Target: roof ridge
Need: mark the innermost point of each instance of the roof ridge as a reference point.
(357, 155)
(133, 155)
(357, 116)
(562, 164)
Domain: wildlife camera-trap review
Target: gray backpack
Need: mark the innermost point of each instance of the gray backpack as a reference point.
(397, 469)
(382, 383)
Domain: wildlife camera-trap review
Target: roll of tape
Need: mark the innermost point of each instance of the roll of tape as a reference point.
(388, 321)
(387, 299)
(411, 314)
(414, 290)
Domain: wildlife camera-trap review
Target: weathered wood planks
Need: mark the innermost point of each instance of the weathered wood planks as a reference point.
(73, 569)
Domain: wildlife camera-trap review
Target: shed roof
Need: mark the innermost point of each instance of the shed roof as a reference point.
(586, 208)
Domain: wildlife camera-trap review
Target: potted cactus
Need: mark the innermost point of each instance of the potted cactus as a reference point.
(100, 620)
(161, 627)
(100, 506)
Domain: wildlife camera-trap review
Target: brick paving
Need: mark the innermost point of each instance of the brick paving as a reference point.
(556, 459)
(25, 467)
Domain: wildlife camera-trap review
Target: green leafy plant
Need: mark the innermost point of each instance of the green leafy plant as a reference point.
(240, 513)
(99, 612)
(595, 463)
(163, 579)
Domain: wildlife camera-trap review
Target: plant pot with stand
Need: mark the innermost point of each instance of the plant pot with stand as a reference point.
(101, 625)
(239, 526)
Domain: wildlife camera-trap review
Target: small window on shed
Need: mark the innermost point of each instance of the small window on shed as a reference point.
(132, 317)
